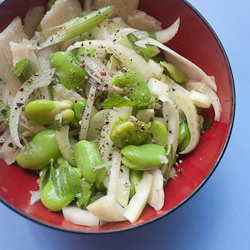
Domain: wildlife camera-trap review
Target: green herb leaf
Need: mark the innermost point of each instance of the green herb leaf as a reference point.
(24, 69)
(44, 177)
(84, 196)
(4, 113)
(117, 101)
(66, 180)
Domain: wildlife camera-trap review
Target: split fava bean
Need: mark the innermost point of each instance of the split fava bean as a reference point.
(128, 131)
(45, 112)
(144, 157)
(135, 87)
(69, 70)
(87, 158)
(158, 134)
(184, 136)
(51, 200)
(43, 147)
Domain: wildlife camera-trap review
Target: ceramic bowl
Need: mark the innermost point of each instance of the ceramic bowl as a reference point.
(196, 41)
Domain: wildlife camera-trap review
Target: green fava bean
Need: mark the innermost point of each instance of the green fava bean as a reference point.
(87, 158)
(135, 87)
(158, 134)
(144, 157)
(184, 136)
(128, 131)
(44, 112)
(51, 200)
(79, 108)
(43, 147)
(69, 70)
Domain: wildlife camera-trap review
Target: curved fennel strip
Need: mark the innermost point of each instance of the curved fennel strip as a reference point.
(171, 118)
(185, 104)
(36, 81)
(189, 68)
(96, 124)
(204, 89)
(139, 200)
(62, 138)
(7, 153)
(87, 114)
(123, 187)
(156, 197)
(61, 93)
(107, 208)
(14, 32)
(79, 216)
(127, 56)
(167, 34)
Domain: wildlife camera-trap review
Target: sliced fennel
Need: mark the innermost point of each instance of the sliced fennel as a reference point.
(171, 118)
(62, 138)
(87, 114)
(186, 105)
(79, 216)
(123, 187)
(189, 68)
(204, 89)
(138, 201)
(40, 80)
(156, 197)
(129, 58)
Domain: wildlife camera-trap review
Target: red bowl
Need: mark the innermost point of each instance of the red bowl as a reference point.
(196, 41)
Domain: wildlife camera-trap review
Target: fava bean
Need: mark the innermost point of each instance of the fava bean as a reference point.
(87, 158)
(128, 131)
(184, 136)
(51, 200)
(69, 70)
(135, 87)
(158, 134)
(45, 112)
(43, 147)
(144, 157)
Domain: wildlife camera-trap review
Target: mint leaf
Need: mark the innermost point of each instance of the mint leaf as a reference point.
(117, 101)
(4, 113)
(66, 180)
(84, 196)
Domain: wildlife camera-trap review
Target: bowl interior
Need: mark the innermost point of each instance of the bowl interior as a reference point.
(195, 41)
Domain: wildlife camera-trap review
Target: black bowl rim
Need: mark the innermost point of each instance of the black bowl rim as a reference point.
(197, 188)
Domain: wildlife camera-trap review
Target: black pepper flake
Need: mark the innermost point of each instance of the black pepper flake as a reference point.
(10, 145)
(110, 157)
(19, 104)
(4, 111)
